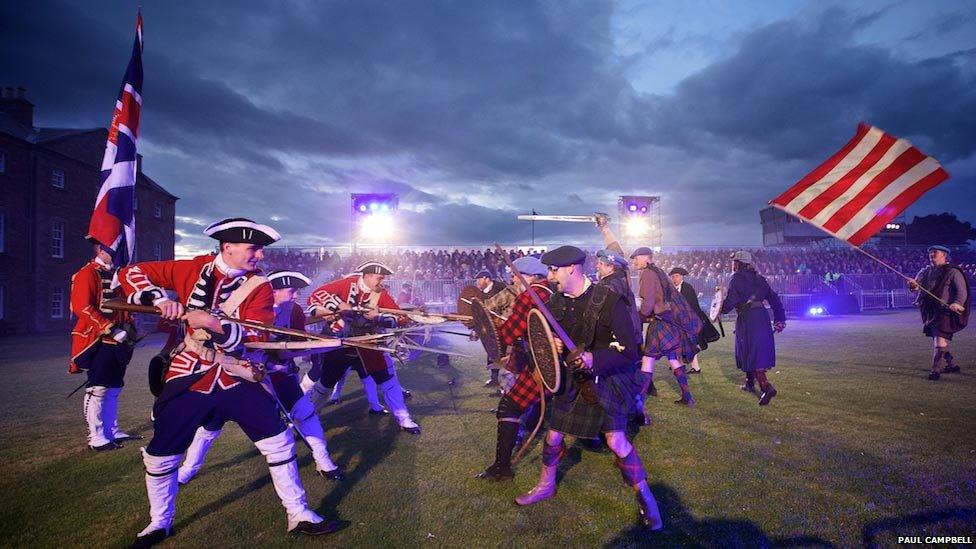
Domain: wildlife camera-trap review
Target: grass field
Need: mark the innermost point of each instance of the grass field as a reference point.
(857, 449)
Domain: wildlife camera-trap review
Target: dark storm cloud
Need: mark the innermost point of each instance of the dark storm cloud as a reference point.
(298, 104)
(795, 90)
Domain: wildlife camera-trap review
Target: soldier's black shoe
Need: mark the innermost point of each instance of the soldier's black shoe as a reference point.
(407, 395)
(380, 412)
(106, 447)
(150, 539)
(491, 382)
(934, 376)
(950, 369)
(688, 401)
(316, 528)
(497, 473)
(748, 387)
(693, 371)
(767, 395)
(129, 437)
(335, 474)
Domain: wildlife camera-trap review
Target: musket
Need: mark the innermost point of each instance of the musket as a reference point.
(502, 317)
(116, 305)
(448, 316)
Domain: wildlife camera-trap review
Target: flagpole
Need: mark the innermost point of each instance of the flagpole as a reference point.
(858, 248)
(899, 273)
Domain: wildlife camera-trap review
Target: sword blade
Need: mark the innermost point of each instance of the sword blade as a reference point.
(564, 218)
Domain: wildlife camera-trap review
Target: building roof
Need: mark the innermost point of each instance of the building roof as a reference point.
(42, 136)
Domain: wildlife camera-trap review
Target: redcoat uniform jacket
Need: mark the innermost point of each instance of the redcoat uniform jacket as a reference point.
(90, 286)
(203, 282)
(352, 291)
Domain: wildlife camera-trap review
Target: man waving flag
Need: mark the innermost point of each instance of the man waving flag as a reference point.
(113, 223)
(863, 186)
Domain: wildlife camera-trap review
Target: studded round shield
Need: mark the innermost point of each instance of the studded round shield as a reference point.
(467, 295)
(543, 348)
(485, 328)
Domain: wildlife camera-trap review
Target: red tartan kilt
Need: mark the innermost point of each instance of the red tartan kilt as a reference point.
(525, 391)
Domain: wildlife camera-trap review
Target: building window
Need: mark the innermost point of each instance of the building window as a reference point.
(57, 303)
(157, 211)
(3, 162)
(57, 239)
(158, 251)
(57, 178)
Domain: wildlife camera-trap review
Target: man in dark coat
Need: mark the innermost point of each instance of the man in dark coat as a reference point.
(939, 321)
(600, 384)
(708, 331)
(755, 349)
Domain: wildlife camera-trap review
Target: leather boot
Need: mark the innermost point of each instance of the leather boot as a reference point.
(647, 512)
(546, 487)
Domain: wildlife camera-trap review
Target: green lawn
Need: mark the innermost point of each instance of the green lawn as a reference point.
(858, 448)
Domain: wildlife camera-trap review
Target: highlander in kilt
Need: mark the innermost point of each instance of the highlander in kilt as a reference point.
(755, 348)
(363, 289)
(599, 388)
(101, 346)
(708, 332)
(672, 328)
(498, 298)
(524, 393)
(939, 321)
(284, 382)
(212, 377)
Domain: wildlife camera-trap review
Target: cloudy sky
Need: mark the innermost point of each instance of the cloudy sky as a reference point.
(476, 111)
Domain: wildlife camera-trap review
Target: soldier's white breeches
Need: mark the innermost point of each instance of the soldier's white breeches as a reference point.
(279, 450)
(99, 430)
(161, 486)
(307, 421)
(197, 453)
(393, 396)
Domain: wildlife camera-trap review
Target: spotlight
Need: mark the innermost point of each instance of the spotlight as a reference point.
(373, 206)
(636, 227)
(643, 209)
(377, 227)
(632, 207)
(362, 207)
(817, 311)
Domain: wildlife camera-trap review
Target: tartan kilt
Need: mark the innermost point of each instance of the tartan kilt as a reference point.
(664, 339)
(577, 418)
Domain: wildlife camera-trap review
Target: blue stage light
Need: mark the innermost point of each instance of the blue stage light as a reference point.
(817, 310)
(362, 207)
(643, 209)
(632, 207)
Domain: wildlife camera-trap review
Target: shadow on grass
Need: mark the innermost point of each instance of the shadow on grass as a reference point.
(910, 525)
(681, 529)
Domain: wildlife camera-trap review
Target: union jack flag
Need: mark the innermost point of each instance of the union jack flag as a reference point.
(113, 223)
(863, 186)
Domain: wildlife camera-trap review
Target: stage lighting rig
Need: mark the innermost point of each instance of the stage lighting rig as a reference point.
(373, 216)
(640, 220)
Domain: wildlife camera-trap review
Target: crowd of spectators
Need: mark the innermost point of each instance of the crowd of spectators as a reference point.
(711, 264)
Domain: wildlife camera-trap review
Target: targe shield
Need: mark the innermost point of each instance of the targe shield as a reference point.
(485, 328)
(543, 348)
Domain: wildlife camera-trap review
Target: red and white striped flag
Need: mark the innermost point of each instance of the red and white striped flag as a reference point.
(863, 186)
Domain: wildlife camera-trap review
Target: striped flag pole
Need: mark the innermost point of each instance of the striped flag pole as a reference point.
(862, 187)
